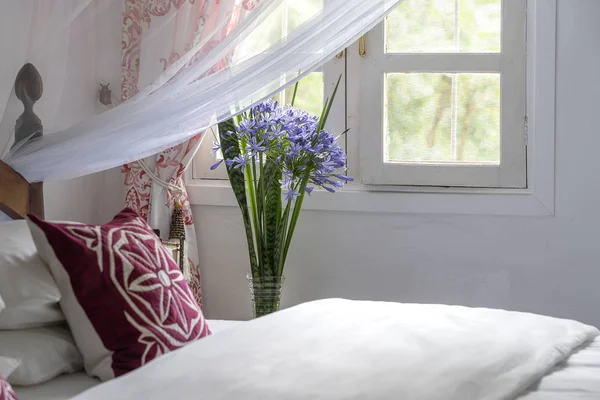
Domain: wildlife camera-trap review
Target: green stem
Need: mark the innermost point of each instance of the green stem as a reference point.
(282, 235)
(252, 199)
(255, 181)
(293, 221)
(261, 182)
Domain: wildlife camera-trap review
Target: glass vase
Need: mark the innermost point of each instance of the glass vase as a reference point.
(266, 294)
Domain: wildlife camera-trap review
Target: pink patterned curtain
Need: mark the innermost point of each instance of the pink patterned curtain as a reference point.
(145, 54)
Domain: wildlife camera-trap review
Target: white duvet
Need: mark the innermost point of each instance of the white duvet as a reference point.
(341, 349)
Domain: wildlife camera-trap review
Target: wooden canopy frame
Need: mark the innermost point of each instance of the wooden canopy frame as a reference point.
(17, 196)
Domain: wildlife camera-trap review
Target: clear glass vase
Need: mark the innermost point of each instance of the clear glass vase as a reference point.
(266, 294)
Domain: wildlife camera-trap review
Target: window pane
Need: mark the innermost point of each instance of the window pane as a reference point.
(310, 94)
(478, 118)
(445, 26)
(287, 17)
(310, 90)
(300, 12)
(266, 35)
(443, 118)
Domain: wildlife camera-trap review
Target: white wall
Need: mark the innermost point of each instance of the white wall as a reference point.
(548, 265)
(97, 197)
(93, 199)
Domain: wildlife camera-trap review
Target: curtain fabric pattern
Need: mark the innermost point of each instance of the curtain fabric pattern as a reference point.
(143, 53)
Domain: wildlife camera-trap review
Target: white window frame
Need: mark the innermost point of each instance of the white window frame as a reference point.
(509, 63)
(536, 200)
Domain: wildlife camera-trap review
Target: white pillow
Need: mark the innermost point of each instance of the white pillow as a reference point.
(27, 288)
(44, 353)
(7, 366)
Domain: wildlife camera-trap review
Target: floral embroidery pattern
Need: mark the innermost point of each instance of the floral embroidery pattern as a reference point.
(160, 304)
(160, 8)
(138, 195)
(249, 4)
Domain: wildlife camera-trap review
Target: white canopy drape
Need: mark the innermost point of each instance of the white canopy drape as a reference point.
(65, 36)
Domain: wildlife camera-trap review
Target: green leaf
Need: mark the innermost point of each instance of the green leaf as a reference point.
(295, 92)
(231, 149)
(281, 236)
(328, 104)
(272, 214)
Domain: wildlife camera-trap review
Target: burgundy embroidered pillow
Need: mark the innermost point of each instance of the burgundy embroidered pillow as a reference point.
(124, 297)
(6, 391)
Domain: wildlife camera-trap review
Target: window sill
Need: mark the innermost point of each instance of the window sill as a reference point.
(358, 198)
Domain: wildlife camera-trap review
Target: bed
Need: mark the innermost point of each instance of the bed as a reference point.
(574, 379)
(67, 386)
(335, 348)
(577, 378)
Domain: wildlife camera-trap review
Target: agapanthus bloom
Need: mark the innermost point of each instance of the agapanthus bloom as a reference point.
(290, 137)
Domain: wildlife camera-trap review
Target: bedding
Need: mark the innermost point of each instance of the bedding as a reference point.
(44, 353)
(63, 387)
(27, 290)
(66, 386)
(576, 378)
(342, 349)
(7, 366)
(124, 297)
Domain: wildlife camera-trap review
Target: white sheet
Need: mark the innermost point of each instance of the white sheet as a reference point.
(66, 386)
(340, 349)
(577, 378)
(61, 388)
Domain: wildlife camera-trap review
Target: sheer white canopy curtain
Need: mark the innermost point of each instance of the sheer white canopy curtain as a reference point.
(186, 98)
(182, 66)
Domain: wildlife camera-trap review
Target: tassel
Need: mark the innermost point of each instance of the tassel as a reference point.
(177, 231)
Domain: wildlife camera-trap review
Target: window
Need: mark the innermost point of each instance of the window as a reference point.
(438, 99)
(521, 181)
(444, 95)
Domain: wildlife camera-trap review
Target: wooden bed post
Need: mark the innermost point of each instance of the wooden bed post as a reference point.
(17, 196)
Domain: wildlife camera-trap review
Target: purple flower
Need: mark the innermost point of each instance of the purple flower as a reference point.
(227, 150)
(274, 133)
(255, 147)
(247, 126)
(215, 165)
(216, 147)
(291, 139)
(291, 194)
(294, 150)
(287, 180)
(241, 161)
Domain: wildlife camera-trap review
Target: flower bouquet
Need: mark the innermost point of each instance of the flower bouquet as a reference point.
(275, 156)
